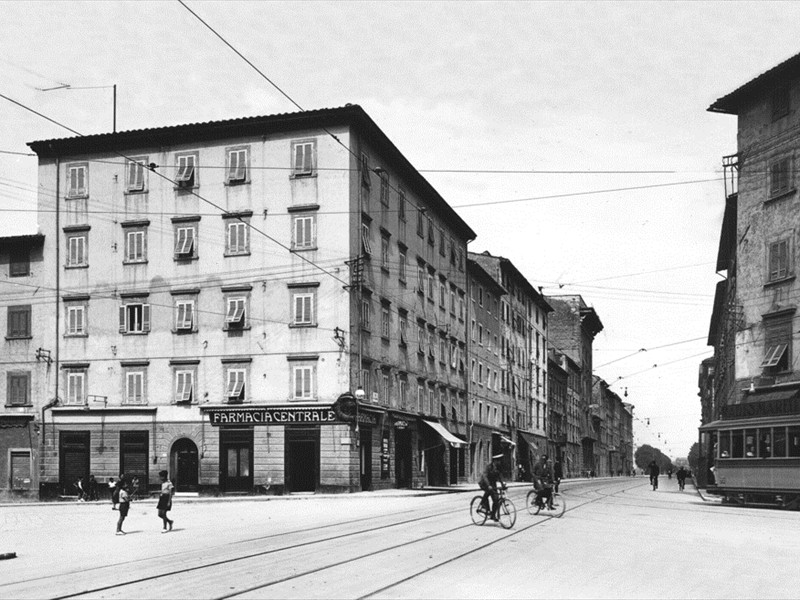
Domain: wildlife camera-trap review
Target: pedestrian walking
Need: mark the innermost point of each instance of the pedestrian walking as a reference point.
(113, 493)
(165, 501)
(81, 488)
(124, 505)
(558, 474)
(93, 493)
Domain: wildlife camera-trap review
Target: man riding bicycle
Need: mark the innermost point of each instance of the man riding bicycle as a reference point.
(543, 478)
(488, 483)
(654, 473)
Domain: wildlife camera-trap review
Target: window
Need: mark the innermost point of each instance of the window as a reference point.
(136, 245)
(780, 177)
(134, 317)
(420, 222)
(135, 174)
(384, 187)
(185, 242)
(401, 204)
(385, 322)
(303, 303)
(77, 181)
(421, 338)
(402, 266)
(304, 232)
(238, 159)
(184, 315)
(304, 158)
(19, 322)
(186, 176)
(365, 179)
(134, 387)
(77, 250)
(303, 376)
(365, 312)
(18, 388)
(76, 320)
(431, 232)
(184, 386)
(778, 342)
(442, 294)
(442, 248)
(421, 279)
(19, 261)
(235, 312)
(75, 386)
(235, 386)
(365, 246)
(778, 260)
(780, 103)
(420, 397)
(430, 286)
(402, 393)
(384, 252)
(236, 238)
(403, 319)
(21, 470)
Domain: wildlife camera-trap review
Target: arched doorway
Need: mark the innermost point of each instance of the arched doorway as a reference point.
(185, 465)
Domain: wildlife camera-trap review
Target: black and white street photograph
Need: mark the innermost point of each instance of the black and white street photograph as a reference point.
(399, 299)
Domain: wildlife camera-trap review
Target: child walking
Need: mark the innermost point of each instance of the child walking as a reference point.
(124, 505)
(165, 501)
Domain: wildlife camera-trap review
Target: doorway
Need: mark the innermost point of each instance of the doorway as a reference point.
(403, 458)
(365, 457)
(185, 465)
(236, 460)
(73, 460)
(301, 461)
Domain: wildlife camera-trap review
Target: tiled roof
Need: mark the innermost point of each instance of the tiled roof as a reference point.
(732, 102)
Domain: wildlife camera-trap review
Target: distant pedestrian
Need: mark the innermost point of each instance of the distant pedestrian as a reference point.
(681, 478)
(558, 475)
(81, 488)
(124, 505)
(93, 493)
(113, 492)
(165, 501)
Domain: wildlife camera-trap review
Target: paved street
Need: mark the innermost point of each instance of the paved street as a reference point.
(618, 539)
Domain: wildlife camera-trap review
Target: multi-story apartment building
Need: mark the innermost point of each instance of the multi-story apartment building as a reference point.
(220, 285)
(558, 407)
(26, 367)
(490, 406)
(523, 355)
(573, 327)
(570, 444)
(754, 404)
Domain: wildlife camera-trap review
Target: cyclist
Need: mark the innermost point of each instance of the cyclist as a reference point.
(543, 478)
(488, 483)
(681, 474)
(654, 472)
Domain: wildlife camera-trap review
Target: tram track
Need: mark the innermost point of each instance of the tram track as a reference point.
(174, 573)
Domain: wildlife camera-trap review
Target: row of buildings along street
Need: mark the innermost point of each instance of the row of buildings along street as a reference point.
(750, 389)
(279, 302)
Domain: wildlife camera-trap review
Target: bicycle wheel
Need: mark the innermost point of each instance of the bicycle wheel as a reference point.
(507, 513)
(477, 512)
(559, 506)
(531, 504)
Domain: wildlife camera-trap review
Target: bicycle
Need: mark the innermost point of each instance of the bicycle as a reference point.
(506, 511)
(554, 508)
(654, 481)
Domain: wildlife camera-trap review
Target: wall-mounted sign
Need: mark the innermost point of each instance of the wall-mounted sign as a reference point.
(400, 424)
(262, 415)
(783, 406)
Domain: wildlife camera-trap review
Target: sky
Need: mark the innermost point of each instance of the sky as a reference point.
(572, 137)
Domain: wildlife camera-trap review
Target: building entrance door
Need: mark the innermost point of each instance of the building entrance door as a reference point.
(73, 460)
(185, 465)
(236, 460)
(403, 458)
(301, 464)
(365, 457)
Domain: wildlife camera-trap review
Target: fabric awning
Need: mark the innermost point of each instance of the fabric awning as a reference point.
(446, 435)
(529, 439)
(505, 440)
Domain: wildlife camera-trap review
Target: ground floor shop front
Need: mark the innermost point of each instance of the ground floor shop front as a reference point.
(19, 439)
(245, 450)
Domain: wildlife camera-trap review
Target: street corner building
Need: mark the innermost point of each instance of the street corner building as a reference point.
(750, 389)
(202, 297)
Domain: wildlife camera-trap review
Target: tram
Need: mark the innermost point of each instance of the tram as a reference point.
(756, 461)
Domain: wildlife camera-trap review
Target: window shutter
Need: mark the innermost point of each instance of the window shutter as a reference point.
(123, 313)
(145, 317)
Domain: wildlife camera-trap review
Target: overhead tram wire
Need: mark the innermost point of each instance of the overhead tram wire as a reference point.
(209, 202)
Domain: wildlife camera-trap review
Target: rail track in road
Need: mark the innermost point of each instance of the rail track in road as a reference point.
(241, 554)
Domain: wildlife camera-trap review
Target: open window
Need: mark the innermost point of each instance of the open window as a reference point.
(187, 165)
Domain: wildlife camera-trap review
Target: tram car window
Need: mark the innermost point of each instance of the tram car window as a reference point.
(750, 443)
(737, 444)
(794, 441)
(779, 441)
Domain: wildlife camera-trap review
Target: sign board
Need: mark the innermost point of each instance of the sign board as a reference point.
(262, 415)
(769, 408)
